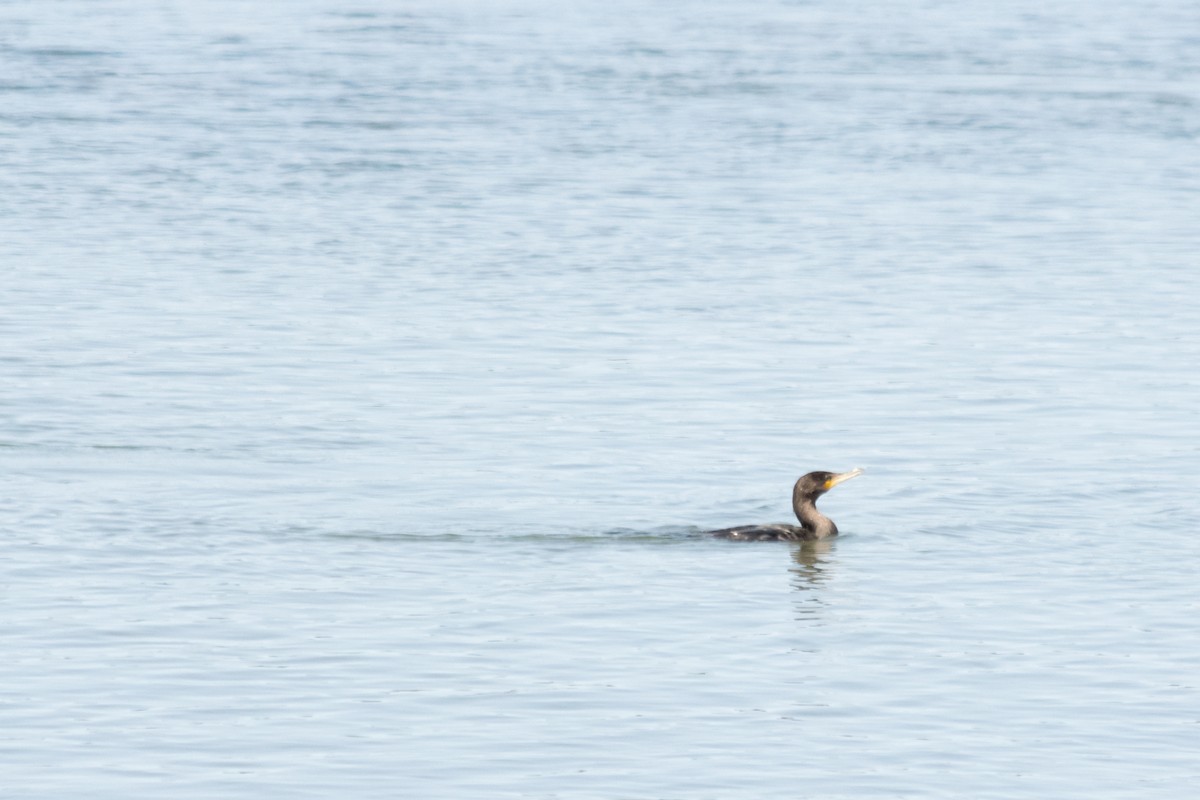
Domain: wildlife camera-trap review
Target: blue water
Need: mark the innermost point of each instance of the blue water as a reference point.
(369, 370)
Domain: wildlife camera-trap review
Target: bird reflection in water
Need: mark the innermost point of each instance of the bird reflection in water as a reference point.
(812, 568)
(812, 564)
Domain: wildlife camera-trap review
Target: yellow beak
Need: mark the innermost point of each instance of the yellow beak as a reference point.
(842, 477)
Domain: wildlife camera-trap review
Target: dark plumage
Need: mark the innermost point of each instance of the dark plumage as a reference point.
(813, 524)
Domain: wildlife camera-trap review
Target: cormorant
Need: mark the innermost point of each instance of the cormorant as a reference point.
(813, 524)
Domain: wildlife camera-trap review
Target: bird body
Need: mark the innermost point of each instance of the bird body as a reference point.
(813, 524)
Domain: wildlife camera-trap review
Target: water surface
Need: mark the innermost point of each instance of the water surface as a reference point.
(369, 372)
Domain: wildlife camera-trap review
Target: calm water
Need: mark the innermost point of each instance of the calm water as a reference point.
(368, 370)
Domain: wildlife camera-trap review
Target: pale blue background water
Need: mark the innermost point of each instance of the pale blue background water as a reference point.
(368, 370)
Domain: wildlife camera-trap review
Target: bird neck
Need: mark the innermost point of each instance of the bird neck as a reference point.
(811, 519)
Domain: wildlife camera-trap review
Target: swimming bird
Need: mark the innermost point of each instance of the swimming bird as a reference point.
(813, 524)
